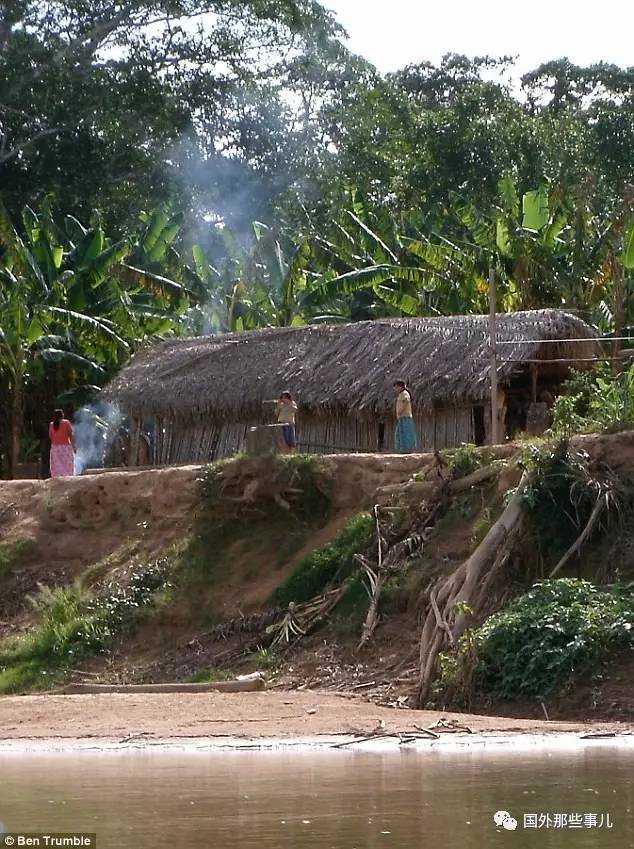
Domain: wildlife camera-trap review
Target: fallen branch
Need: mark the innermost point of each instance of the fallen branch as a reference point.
(377, 575)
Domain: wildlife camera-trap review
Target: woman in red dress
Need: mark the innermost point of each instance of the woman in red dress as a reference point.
(60, 432)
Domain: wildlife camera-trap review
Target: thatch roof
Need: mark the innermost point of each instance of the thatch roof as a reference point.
(351, 366)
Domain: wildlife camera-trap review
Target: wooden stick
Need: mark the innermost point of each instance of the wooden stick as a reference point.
(583, 536)
(494, 365)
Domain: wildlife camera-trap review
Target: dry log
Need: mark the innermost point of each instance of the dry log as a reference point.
(251, 683)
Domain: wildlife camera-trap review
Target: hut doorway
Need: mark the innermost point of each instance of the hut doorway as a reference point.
(479, 427)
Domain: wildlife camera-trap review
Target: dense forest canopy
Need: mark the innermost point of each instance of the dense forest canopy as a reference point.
(176, 166)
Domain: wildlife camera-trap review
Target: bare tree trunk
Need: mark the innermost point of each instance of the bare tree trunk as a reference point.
(620, 312)
(15, 437)
(460, 596)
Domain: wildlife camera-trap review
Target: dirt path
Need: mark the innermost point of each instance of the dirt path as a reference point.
(68, 721)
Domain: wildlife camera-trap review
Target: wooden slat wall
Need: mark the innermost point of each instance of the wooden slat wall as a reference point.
(207, 440)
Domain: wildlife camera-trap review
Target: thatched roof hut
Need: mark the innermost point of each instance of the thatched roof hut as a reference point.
(347, 371)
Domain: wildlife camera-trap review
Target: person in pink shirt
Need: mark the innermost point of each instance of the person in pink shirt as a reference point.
(60, 432)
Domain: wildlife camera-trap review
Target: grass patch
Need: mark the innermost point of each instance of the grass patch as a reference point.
(210, 550)
(74, 625)
(335, 561)
(265, 531)
(13, 554)
(209, 676)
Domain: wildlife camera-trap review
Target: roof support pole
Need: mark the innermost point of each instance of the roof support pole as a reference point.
(494, 364)
(534, 375)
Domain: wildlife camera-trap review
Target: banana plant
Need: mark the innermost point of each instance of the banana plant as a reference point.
(372, 270)
(67, 296)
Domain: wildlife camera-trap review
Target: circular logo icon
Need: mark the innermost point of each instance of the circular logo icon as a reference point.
(504, 820)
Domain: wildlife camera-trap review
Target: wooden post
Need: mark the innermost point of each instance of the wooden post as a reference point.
(534, 383)
(494, 364)
(135, 435)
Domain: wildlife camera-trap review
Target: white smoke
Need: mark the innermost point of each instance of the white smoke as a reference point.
(94, 428)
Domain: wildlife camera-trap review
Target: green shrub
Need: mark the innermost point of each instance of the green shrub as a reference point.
(549, 636)
(465, 459)
(318, 569)
(595, 401)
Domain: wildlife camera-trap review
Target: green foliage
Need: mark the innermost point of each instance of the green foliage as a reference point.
(211, 482)
(73, 625)
(71, 312)
(317, 570)
(349, 615)
(595, 401)
(265, 660)
(465, 459)
(209, 676)
(563, 493)
(96, 125)
(315, 500)
(549, 637)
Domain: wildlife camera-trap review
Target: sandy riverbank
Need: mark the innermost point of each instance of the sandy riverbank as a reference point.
(68, 722)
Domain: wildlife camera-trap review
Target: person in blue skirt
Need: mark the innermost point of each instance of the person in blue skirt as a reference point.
(405, 440)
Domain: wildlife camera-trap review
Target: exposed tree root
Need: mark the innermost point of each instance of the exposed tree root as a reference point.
(416, 491)
(453, 600)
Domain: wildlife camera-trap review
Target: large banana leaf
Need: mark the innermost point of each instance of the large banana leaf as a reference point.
(536, 209)
(58, 355)
(386, 253)
(107, 259)
(510, 197)
(402, 301)
(155, 227)
(368, 278)
(83, 322)
(149, 282)
(93, 247)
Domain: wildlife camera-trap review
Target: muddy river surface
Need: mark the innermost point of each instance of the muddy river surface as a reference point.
(558, 798)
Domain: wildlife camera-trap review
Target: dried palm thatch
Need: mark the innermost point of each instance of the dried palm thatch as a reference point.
(347, 367)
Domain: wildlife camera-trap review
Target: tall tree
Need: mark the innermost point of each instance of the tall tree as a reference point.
(96, 98)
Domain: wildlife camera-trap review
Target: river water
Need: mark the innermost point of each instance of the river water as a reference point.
(438, 799)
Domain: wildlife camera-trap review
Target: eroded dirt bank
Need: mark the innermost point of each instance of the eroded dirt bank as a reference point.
(229, 561)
